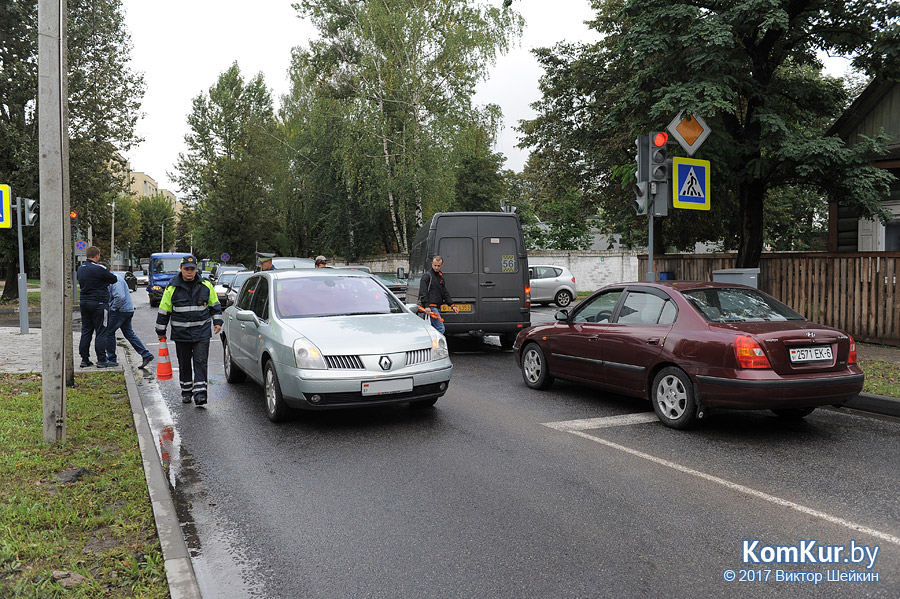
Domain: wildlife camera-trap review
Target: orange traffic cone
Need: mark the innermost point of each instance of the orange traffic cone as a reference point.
(163, 364)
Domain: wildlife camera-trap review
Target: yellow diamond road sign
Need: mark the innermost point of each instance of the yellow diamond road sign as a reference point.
(689, 130)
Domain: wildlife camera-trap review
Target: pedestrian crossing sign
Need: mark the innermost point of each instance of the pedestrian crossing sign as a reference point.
(5, 208)
(691, 189)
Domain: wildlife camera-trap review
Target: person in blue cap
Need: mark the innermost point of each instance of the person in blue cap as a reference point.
(191, 305)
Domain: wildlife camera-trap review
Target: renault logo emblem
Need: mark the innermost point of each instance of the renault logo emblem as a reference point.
(385, 363)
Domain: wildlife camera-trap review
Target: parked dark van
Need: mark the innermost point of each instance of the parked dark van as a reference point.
(485, 268)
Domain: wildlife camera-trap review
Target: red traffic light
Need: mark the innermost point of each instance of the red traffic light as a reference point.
(661, 139)
(73, 214)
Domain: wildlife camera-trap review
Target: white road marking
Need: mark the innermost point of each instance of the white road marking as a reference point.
(575, 427)
(608, 421)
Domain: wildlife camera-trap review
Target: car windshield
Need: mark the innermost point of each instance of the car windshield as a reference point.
(726, 304)
(226, 279)
(161, 265)
(238, 278)
(332, 296)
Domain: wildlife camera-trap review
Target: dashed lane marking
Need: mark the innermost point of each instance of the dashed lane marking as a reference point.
(577, 427)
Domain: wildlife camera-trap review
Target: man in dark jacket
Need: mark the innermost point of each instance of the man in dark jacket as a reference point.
(94, 281)
(190, 302)
(433, 292)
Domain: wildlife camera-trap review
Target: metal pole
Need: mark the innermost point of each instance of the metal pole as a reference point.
(112, 239)
(651, 276)
(23, 280)
(56, 342)
(162, 236)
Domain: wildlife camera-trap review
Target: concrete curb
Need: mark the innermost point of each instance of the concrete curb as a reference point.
(878, 404)
(179, 571)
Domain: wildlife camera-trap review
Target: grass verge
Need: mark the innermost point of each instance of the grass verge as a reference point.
(98, 529)
(882, 378)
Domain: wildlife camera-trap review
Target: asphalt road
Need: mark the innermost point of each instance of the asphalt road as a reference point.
(479, 497)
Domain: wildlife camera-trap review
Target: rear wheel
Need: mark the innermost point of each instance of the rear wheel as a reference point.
(233, 374)
(794, 413)
(534, 367)
(673, 398)
(563, 298)
(154, 303)
(276, 409)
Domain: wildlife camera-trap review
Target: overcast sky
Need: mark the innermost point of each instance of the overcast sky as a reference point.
(183, 46)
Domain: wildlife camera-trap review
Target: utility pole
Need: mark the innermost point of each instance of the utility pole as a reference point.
(56, 326)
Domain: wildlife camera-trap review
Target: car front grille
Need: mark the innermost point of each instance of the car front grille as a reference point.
(344, 362)
(418, 356)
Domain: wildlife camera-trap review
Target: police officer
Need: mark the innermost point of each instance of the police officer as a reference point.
(433, 292)
(94, 280)
(190, 302)
(265, 261)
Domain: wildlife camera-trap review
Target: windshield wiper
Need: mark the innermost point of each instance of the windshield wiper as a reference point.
(362, 313)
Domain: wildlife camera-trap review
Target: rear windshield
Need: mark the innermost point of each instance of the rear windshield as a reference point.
(332, 296)
(726, 304)
(225, 280)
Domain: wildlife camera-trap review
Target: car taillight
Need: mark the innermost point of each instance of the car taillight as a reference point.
(749, 353)
(852, 358)
(527, 296)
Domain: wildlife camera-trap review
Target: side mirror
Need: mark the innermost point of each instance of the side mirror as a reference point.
(562, 315)
(401, 274)
(247, 316)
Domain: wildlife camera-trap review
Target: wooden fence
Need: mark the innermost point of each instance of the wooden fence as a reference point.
(855, 292)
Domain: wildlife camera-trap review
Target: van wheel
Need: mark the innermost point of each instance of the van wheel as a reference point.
(507, 340)
(154, 303)
(563, 298)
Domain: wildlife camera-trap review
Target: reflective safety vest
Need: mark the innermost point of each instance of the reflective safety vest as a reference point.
(192, 310)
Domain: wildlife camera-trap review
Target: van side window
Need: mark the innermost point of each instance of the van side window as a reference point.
(458, 254)
(499, 255)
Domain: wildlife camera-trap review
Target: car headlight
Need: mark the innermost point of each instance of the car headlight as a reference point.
(156, 288)
(438, 345)
(307, 355)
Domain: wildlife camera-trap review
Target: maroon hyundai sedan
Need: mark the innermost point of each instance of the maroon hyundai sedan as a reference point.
(690, 346)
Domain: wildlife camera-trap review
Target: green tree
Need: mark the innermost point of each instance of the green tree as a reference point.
(404, 73)
(479, 182)
(157, 225)
(751, 70)
(228, 172)
(104, 97)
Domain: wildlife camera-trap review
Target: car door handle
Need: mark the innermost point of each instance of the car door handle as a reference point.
(593, 338)
(653, 340)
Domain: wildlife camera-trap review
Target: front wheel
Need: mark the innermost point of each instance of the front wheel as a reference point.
(794, 413)
(534, 367)
(276, 409)
(563, 298)
(673, 398)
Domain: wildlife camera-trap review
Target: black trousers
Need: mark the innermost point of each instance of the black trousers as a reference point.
(192, 366)
(92, 325)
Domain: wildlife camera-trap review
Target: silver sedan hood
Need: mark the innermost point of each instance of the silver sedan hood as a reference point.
(377, 333)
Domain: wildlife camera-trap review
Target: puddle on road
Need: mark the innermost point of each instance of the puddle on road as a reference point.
(221, 569)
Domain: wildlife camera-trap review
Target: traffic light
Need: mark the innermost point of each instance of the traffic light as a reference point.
(641, 197)
(643, 158)
(659, 167)
(30, 212)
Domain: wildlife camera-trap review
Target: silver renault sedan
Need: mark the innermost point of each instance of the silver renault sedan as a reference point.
(327, 339)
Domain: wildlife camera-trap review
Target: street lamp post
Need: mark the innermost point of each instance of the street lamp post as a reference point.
(112, 237)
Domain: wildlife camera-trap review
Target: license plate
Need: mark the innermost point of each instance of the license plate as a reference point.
(387, 387)
(811, 354)
(462, 308)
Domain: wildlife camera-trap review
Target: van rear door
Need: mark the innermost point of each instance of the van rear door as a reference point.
(503, 270)
(456, 245)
